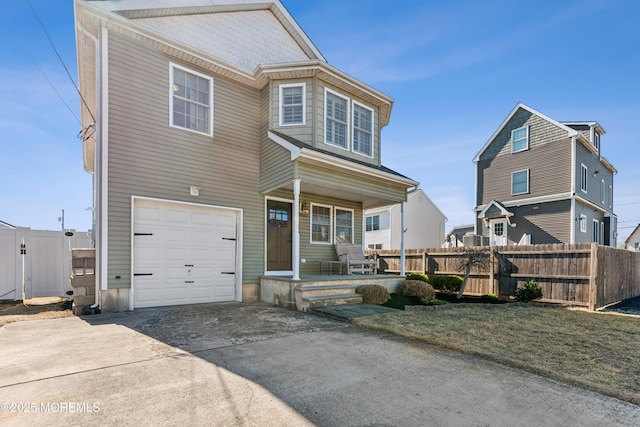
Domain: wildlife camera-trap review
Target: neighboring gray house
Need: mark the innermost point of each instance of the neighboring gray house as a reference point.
(226, 149)
(542, 181)
(633, 241)
(424, 224)
(455, 236)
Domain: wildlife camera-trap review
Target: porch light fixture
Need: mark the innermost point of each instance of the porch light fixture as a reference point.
(194, 191)
(304, 208)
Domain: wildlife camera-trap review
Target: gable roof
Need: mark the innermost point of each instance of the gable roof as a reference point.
(494, 203)
(632, 233)
(520, 105)
(6, 225)
(421, 191)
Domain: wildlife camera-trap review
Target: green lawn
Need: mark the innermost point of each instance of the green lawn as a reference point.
(597, 351)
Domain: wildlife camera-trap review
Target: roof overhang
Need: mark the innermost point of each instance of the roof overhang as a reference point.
(504, 212)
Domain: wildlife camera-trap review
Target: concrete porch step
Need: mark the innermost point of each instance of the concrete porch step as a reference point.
(319, 290)
(309, 302)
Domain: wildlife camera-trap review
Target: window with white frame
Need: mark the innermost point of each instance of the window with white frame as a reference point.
(292, 104)
(375, 246)
(520, 182)
(362, 129)
(336, 119)
(344, 225)
(520, 139)
(602, 191)
(583, 223)
(595, 140)
(610, 199)
(596, 231)
(584, 177)
(320, 224)
(191, 100)
(372, 223)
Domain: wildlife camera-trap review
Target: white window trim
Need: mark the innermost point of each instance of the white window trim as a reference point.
(523, 192)
(331, 232)
(304, 104)
(526, 128)
(348, 134)
(371, 216)
(584, 178)
(353, 222)
(172, 67)
(353, 128)
(595, 232)
(583, 223)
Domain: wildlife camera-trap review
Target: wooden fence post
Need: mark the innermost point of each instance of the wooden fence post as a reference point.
(593, 275)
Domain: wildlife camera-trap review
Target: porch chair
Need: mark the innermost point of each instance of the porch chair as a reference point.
(354, 259)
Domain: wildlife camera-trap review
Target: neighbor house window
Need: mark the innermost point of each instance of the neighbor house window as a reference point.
(372, 223)
(636, 246)
(596, 231)
(344, 226)
(191, 100)
(595, 139)
(584, 177)
(520, 182)
(336, 117)
(320, 224)
(610, 196)
(362, 129)
(520, 139)
(583, 223)
(378, 246)
(292, 104)
(602, 191)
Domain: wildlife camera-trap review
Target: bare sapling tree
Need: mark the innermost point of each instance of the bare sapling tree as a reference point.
(472, 258)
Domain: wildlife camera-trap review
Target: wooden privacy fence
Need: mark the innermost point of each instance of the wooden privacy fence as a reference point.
(582, 274)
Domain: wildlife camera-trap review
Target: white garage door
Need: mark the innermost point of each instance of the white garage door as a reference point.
(183, 254)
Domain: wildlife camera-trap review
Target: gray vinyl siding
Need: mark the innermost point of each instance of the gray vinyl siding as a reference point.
(149, 158)
(591, 214)
(541, 132)
(549, 172)
(593, 164)
(316, 251)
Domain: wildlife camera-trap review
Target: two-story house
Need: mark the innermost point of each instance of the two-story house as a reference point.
(543, 181)
(423, 224)
(226, 149)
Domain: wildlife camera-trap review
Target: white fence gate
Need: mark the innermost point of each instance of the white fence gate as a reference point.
(36, 263)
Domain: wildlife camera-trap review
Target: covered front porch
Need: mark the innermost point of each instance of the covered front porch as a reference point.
(311, 291)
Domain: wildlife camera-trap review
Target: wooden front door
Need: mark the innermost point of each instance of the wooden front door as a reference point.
(278, 235)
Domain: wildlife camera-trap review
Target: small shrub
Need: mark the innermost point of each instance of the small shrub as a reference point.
(447, 284)
(493, 297)
(416, 288)
(373, 294)
(528, 292)
(433, 301)
(417, 276)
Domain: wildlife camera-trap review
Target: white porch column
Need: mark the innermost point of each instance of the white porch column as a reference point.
(402, 255)
(295, 234)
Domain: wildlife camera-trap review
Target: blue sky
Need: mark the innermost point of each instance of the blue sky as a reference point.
(455, 69)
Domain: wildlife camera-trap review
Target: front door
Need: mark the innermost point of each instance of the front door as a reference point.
(498, 232)
(278, 236)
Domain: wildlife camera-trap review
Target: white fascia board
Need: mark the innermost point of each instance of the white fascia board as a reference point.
(420, 190)
(592, 205)
(608, 165)
(570, 132)
(293, 149)
(531, 201)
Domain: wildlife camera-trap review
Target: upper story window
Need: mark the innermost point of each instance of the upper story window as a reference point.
(584, 177)
(344, 225)
(191, 100)
(336, 122)
(292, 104)
(520, 139)
(362, 129)
(595, 138)
(372, 223)
(520, 182)
(320, 224)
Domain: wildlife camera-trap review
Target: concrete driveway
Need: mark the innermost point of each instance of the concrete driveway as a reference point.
(254, 364)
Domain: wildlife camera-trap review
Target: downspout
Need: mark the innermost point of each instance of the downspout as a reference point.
(402, 249)
(295, 256)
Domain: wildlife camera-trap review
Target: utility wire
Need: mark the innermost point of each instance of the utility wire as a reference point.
(60, 58)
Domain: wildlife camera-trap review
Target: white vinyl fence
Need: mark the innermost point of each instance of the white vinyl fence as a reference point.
(36, 263)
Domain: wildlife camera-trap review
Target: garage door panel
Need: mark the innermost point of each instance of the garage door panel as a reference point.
(187, 254)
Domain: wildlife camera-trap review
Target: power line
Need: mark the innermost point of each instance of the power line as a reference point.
(60, 58)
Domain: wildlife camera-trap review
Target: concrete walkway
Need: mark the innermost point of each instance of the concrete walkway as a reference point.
(254, 364)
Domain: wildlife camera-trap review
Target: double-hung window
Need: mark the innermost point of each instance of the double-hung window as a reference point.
(584, 177)
(520, 139)
(344, 225)
(292, 104)
(191, 100)
(320, 224)
(520, 182)
(336, 119)
(372, 223)
(362, 129)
